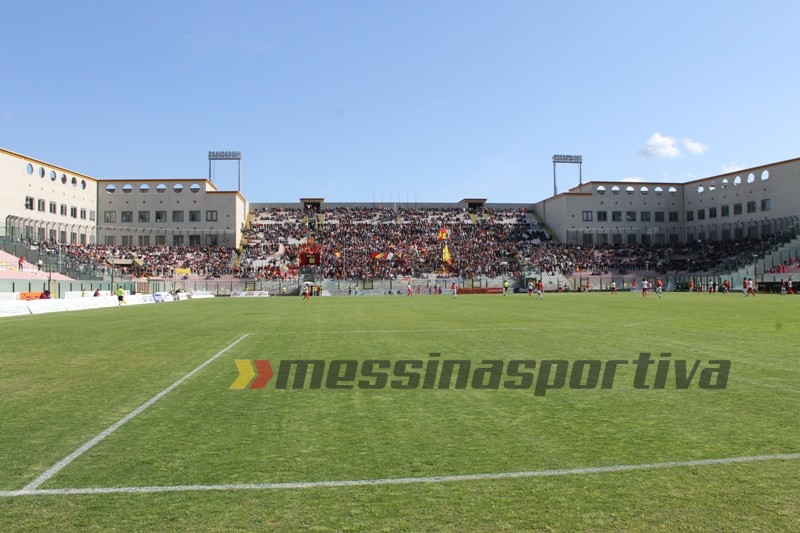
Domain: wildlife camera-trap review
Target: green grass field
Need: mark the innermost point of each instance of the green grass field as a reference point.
(66, 378)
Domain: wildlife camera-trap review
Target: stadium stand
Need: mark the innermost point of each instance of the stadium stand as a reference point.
(378, 243)
(157, 262)
(375, 243)
(10, 270)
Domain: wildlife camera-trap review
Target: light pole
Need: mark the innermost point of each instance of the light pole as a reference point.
(111, 266)
(575, 159)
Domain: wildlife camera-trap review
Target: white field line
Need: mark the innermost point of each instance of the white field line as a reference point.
(55, 469)
(353, 331)
(400, 481)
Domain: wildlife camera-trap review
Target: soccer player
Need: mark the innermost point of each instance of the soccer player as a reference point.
(530, 288)
(751, 289)
(645, 286)
(454, 288)
(540, 290)
(613, 287)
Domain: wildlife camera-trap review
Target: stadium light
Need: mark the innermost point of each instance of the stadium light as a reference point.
(573, 159)
(567, 159)
(226, 155)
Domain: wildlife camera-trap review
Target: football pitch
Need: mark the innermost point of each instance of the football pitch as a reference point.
(481, 413)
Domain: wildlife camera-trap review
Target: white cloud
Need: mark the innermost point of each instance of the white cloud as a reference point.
(633, 179)
(660, 146)
(694, 147)
(733, 166)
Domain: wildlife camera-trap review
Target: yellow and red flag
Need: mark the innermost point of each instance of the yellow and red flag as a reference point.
(442, 234)
(446, 255)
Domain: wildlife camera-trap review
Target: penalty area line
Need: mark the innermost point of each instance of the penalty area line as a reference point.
(400, 481)
(55, 469)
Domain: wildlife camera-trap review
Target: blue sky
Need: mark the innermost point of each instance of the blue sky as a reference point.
(420, 100)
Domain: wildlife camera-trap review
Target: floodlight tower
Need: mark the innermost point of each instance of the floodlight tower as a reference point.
(574, 159)
(226, 155)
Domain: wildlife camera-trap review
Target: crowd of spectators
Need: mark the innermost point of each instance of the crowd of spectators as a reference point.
(790, 266)
(380, 243)
(364, 243)
(205, 262)
(555, 258)
(373, 243)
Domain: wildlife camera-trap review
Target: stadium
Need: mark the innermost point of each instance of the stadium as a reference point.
(463, 365)
(164, 235)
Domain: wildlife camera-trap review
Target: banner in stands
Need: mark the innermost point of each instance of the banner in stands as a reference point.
(26, 307)
(105, 301)
(309, 258)
(13, 308)
(199, 294)
(84, 294)
(46, 306)
(483, 290)
(137, 299)
(250, 294)
(31, 295)
(78, 304)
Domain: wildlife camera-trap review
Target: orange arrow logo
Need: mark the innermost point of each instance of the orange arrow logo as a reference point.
(246, 374)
